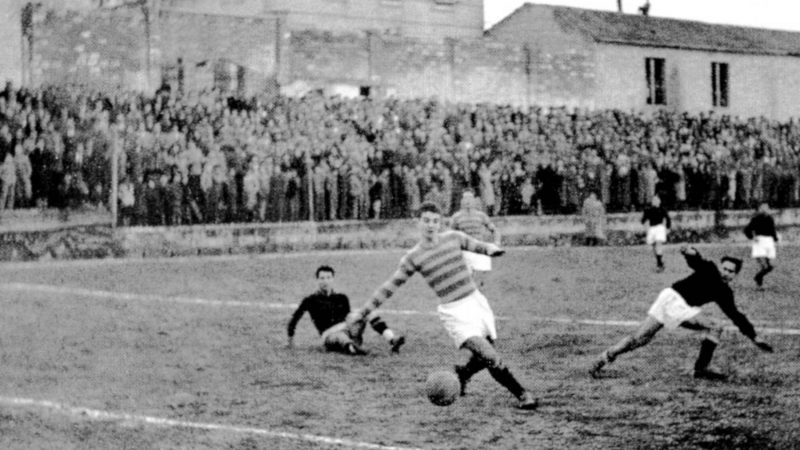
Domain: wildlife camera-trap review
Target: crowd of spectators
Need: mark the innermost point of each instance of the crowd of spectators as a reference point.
(204, 157)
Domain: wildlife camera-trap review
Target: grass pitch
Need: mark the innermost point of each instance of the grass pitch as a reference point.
(191, 354)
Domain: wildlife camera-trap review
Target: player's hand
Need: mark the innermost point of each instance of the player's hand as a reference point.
(763, 346)
(495, 250)
(688, 250)
(290, 343)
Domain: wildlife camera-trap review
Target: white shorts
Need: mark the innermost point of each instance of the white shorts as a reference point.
(469, 317)
(656, 233)
(671, 309)
(478, 262)
(763, 247)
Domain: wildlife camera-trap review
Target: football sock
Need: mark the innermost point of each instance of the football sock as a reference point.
(707, 348)
(468, 370)
(627, 344)
(660, 260)
(507, 379)
(378, 325)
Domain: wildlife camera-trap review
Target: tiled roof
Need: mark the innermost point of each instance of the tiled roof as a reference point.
(630, 29)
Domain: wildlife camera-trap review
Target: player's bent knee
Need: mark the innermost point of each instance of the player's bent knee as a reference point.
(714, 334)
(336, 341)
(482, 349)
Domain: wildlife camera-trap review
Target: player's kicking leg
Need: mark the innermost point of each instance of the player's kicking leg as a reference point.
(394, 340)
(640, 338)
(484, 355)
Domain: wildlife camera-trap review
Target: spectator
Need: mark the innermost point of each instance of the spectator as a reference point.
(8, 178)
(594, 217)
(22, 165)
(125, 195)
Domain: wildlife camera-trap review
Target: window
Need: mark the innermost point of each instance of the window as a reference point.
(444, 5)
(719, 84)
(656, 90)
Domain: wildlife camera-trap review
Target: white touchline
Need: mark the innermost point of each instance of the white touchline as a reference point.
(95, 414)
(111, 295)
(125, 296)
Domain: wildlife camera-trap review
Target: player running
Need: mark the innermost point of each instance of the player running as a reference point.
(658, 224)
(328, 310)
(761, 230)
(476, 224)
(463, 310)
(679, 305)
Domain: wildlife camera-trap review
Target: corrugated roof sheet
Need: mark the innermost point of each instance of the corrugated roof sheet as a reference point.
(630, 29)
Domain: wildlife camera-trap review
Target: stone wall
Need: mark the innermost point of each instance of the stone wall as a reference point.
(458, 70)
(200, 40)
(108, 49)
(103, 49)
(90, 235)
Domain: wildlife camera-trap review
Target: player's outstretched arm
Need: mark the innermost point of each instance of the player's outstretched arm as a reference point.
(471, 244)
(290, 327)
(404, 271)
(494, 250)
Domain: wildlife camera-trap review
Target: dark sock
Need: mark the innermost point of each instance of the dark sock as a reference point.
(504, 376)
(466, 371)
(378, 325)
(660, 260)
(707, 348)
(760, 275)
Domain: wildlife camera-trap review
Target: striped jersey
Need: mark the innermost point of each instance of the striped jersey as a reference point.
(473, 222)
(442, 266)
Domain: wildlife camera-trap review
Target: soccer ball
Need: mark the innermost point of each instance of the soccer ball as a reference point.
(442, 387)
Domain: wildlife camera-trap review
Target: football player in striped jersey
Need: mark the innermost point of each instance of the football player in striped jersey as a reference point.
(463, 310)
(475, 223)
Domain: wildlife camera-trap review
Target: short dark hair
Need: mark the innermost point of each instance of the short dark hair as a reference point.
(736, 262)
(324, 269)
(429, 206)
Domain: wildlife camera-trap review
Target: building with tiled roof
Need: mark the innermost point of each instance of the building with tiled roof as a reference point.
(634, 61)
